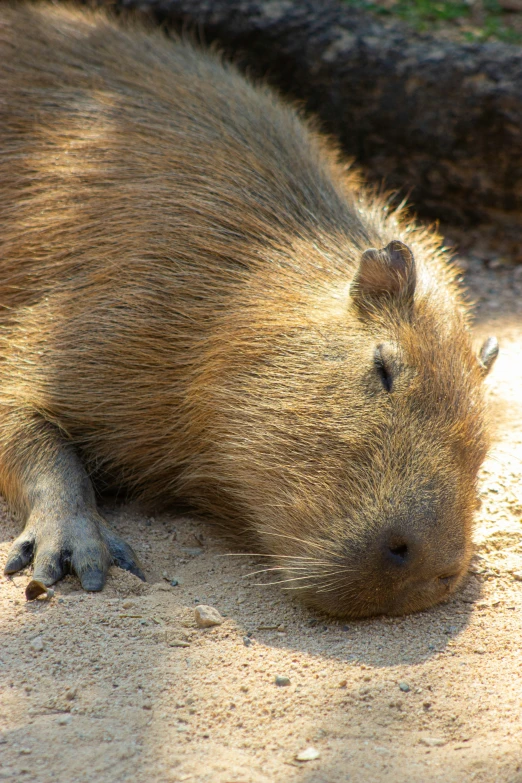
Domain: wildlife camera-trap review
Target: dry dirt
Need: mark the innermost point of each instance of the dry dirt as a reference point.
(127, 688)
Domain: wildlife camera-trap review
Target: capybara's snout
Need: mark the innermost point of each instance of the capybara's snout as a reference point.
(411, 564)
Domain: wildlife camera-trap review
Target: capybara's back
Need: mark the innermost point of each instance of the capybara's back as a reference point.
(199, 302)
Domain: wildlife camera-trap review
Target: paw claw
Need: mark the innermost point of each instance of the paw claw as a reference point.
(122, 554)
(48, 568)
(136, 570)
(20, 555)
(93, 580)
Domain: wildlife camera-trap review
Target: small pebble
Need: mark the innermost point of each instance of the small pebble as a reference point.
(282, 681)
(207, 616)
(432, 742)
(37, 644)
(64, 720)
(309, 754)
(404, 687)
(495, 263)
(246, 641)
(179, 643)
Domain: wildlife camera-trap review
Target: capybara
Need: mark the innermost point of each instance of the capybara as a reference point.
(200, 302)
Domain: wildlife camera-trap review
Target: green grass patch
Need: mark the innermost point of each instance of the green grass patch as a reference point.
(424, 15)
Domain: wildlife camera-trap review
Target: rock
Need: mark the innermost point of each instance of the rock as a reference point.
(246, 641)
(309, 754)
(179, 643)
(282, 681)
(404, 687)
(64, 720)
(37, 644)
(193, 551)
(207, 616)
(461, 169)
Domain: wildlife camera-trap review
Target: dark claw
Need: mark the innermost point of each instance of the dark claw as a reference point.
(92, 580)
(19, 556)
(48, 568)
(134, 569)
(123, 555)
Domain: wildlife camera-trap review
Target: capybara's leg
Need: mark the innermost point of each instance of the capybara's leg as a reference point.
(43, 479)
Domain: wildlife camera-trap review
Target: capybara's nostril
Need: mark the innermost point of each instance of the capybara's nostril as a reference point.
(398, 552)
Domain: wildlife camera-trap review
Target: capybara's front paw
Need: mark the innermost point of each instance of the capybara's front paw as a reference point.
(80, 545)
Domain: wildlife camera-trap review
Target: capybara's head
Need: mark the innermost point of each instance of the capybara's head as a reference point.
(353, 429)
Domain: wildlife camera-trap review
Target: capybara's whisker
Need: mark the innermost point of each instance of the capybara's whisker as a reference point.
(269, 570)
(311, 543)
(290, 579)
(265, 554)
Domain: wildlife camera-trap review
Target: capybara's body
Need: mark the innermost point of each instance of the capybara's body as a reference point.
(191, 308)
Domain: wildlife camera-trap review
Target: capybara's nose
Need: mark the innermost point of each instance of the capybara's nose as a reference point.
(410, 559)
(400, 551)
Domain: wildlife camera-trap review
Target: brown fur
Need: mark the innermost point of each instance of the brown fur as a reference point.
(176, 253)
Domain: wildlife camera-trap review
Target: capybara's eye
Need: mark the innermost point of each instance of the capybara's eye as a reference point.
(383, 368)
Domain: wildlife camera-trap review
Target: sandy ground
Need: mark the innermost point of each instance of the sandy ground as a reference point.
(122, 686)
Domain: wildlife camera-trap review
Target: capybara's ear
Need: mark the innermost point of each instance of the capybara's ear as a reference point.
(488, 354)
(388, 272)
